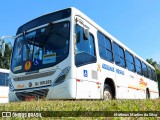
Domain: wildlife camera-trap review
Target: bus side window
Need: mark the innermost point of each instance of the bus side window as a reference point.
(119, 56)
(130, 61)
(145, 70)
(138, 66)
(82, 44)
(105, 47)
(154, 75)
(149, 73)
(85, 49)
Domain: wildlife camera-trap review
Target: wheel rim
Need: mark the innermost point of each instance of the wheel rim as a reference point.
(107, 95)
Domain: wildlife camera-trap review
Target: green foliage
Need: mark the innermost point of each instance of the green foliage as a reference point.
(83, 105)
(5, 60)
(158, 78)
(154, 64)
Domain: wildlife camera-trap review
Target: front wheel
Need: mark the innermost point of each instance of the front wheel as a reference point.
(107, 93)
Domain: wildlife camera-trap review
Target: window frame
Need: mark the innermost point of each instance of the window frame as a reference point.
(104, 47)
(118, 54)
(145, 73)
(83, 51)
(129, 61)
(149, 72)
(138, 66)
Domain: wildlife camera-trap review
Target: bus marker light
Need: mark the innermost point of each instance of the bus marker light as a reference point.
(98, 83)
(78, 80)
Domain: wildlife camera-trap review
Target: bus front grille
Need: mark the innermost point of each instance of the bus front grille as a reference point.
(38, 94)
(34, 76)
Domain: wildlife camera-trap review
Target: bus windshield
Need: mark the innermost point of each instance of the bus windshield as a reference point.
(41, 48)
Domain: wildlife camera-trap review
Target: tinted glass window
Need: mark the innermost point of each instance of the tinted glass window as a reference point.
(84, 45)
(119, 57)
(101, 39)
(154, 76)
(41, 48)
(138, 66)
(85, 48)
(107, 43)
(105, 49)
(48, 18)
(4, 79)
(144, 69)
(130, 61)
(115, 48)
(149, 73)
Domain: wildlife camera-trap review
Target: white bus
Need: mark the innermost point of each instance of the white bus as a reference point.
(65, 55)
(4, 89)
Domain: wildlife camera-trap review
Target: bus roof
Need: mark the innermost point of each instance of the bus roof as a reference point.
(79, 13)
(4, 70)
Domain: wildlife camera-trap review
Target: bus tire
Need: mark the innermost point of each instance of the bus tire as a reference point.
(107, 93)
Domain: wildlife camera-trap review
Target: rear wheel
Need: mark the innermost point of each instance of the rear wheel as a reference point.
(107, 93)
(147, 94)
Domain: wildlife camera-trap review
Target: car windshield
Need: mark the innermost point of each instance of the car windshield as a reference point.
(41, 48)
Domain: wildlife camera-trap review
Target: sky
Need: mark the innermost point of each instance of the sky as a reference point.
(136, 23)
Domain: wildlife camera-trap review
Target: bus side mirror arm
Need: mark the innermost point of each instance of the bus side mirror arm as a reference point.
(74, 40)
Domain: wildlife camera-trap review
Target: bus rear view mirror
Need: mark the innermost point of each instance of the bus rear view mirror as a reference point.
(3, 49)
(3, 43)
(2, 46)
(86, 34)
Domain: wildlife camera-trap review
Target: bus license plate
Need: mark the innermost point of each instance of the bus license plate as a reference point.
(30, 98)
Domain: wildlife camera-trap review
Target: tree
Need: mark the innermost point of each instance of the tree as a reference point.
(5, 60)
(155, 65)
(158, 78)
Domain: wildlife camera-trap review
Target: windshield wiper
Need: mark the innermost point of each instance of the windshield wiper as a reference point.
(48, 32)
(28, 49)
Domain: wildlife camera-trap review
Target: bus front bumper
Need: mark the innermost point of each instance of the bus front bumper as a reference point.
(65, 90)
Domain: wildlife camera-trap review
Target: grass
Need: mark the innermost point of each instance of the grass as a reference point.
(79, 106)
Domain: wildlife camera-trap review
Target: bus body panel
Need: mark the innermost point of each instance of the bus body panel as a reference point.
(4, 86)
(88, 83)
(4, 94)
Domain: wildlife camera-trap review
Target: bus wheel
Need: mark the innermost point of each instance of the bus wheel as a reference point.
(107, 93)
(147, 94)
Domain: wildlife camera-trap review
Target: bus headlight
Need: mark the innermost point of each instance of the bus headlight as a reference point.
(61, 77)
